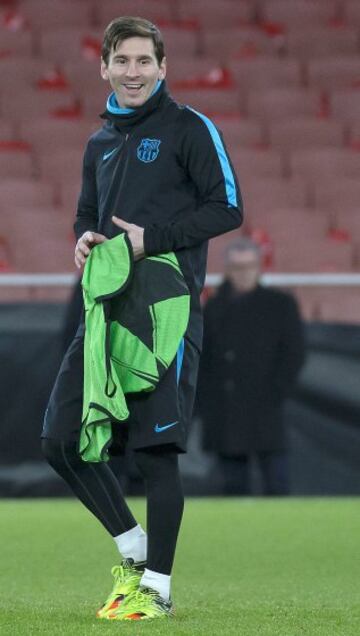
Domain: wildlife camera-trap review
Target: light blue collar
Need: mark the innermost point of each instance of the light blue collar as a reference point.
(113, 107)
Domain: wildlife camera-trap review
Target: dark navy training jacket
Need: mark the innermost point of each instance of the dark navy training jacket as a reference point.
(164, 167)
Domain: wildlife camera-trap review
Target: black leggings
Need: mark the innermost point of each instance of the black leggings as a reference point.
(99, 490)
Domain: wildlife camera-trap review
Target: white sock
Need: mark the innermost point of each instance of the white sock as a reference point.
(132, 544)
(158, 582)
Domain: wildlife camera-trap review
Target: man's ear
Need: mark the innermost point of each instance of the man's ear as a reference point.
(162, 71)
(104, 70)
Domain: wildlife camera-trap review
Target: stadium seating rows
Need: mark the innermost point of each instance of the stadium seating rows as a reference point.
(280, 78)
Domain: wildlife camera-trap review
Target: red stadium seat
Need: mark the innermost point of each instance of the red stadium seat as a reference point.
(340, 309)
(16, 164)
(237, 42)
(348, 219)
(14, 43)
(283, 103)
(190, 68)
(352, 12)
(345, 105)
(154, 10)
(239, 133)
(57, 133)
(290, 224)
(262, 72)
(22, 70)
(61, 166)
(354, 135)
(57, 244)
(322, 42)
(56, 13)
(250, 164)
(72, 44)
(68, 44)
(331, 303)
(86, 80)
(269, 193)
(324, 300)
(69, 196)
(17, 191)
(7, 131)
(94, 103)
(178, 39)
(337, 194)
(299, 14)
(308, 306)
(38, 103)
(324, 163)
(55, 255)
(41, 218)
(211, 15)
(211, 102)
(305, 133)
(313, 256)
(266, 50)
(216, 77)
(335, 72)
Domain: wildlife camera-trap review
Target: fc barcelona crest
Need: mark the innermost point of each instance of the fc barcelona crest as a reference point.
(148, 150)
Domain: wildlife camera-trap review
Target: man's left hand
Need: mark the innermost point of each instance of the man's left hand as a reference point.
(135, 234)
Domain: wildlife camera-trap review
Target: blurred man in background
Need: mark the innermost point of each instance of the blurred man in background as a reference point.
(253, 351)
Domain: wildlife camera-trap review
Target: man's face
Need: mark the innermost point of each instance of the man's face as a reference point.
(133, 71)
(243, 269)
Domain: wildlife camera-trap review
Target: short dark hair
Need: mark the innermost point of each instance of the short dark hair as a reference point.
(242, 244)
(126, 27)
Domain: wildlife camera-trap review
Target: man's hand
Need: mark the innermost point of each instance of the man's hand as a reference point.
(135, 234)
(84, 245)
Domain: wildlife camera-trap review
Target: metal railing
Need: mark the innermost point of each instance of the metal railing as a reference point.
(212, 280)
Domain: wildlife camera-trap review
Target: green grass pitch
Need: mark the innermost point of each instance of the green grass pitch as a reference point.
(285, 567)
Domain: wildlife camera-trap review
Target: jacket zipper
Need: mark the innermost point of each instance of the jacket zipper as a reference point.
(123, 172)
(121, 156)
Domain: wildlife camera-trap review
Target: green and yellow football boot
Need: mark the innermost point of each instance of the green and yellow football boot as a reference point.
(140, 605)
(127, 579)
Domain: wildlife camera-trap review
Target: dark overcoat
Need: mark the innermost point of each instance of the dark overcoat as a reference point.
(253, 350)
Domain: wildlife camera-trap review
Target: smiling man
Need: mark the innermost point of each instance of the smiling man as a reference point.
(159, 172)
(133, 70)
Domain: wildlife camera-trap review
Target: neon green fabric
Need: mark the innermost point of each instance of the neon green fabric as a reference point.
(132, 334)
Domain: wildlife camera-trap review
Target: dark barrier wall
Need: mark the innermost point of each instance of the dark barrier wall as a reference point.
(323, 420)
(30, 353)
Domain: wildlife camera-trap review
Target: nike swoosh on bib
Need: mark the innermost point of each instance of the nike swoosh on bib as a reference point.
(160, 429)
(106, 155)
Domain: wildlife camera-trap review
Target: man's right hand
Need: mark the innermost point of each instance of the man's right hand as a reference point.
(84, 245)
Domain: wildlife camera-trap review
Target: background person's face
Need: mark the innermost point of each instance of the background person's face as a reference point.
(133, 71)
(243, 269)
